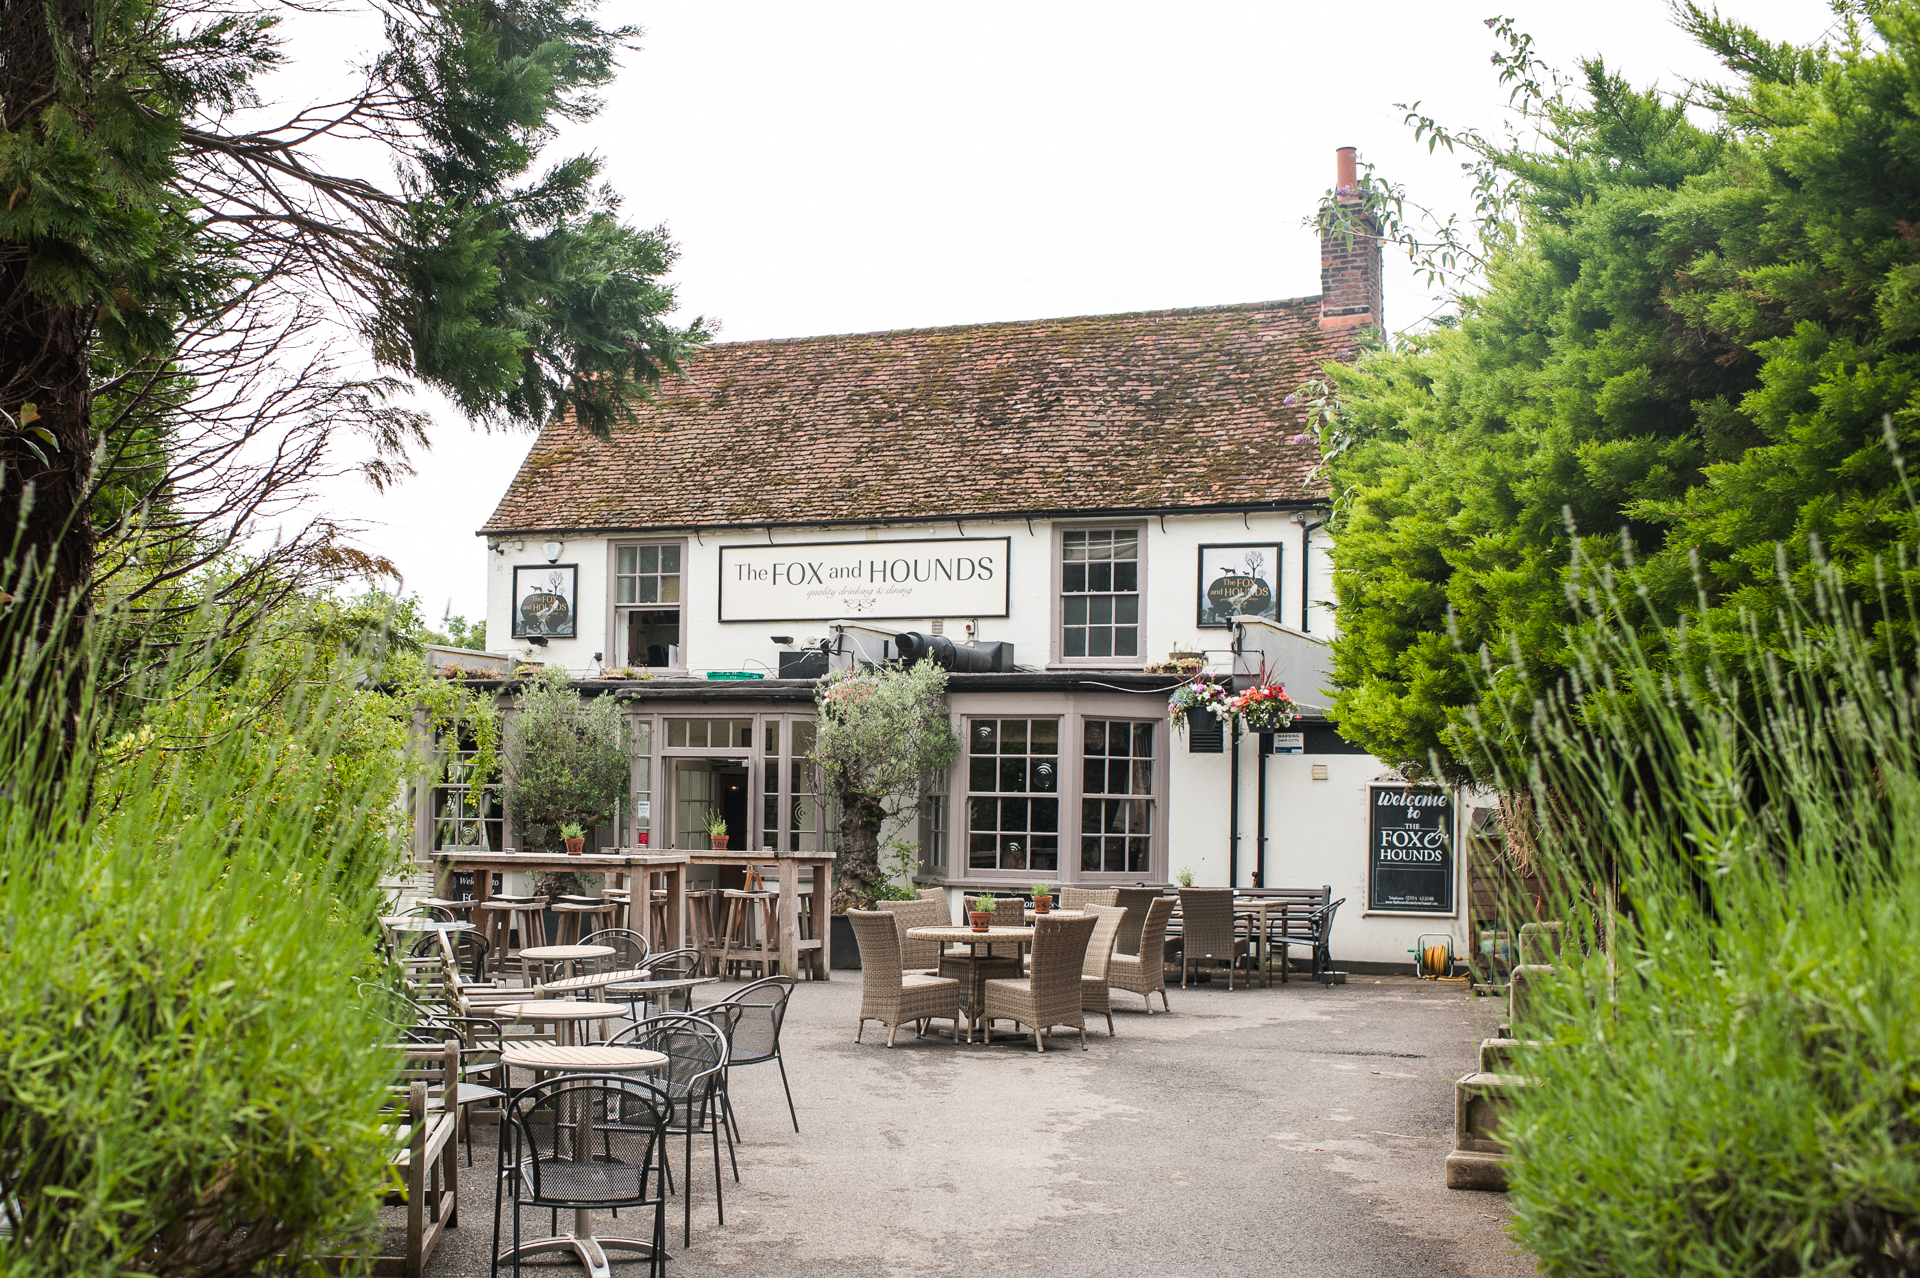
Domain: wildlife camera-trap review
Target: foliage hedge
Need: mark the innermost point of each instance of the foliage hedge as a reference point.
(1727, 1075)
(189, 1081)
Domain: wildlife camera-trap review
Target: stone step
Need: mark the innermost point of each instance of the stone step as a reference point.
(1471, 1169)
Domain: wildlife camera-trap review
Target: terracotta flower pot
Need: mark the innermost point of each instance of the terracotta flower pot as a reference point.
(719, 842)
(575, 846)
(1042, 904)
(981, 919)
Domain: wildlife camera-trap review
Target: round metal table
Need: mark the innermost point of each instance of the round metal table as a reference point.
(976, 961)
(582, 1242)
(665, 986)
(568, 956)
(561, 1012)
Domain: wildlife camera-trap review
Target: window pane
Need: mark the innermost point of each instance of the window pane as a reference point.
(649, 590)
(1074, 610)
(986, 737)
(1142, 776)
(1042, 775)
(1126, 545)
(1126, 609)
(1013, 814)
(980, 851)
(1136, 856)
(983, 814)
(1073, 546)
(1143, 740)
(1076, 642)
(1046, 853)
(1093, 776)
(670, 559)
(676, 732)
(669, 590)
(1046, 736)
(1100, 610)
(1045, 814)
(1100, 642)
(1126, 642)
(1013, 736)
(982, 774)
(623, 559)
(1096, 737)
(1073, 577)
(1126, 576)
(649, 559)
(1013, 776)
(1118, 771)
(1013, 853)
(1099, 576)
(1090, 854)
(623, 590)
(773, 737)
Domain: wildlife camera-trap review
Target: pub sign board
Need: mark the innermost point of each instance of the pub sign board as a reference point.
(868, 580)
(1410, 849)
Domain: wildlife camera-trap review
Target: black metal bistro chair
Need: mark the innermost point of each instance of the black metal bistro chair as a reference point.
(1320, 943)
(585, 1143)
(754, 1038)
(630, 949)
(696, 1052)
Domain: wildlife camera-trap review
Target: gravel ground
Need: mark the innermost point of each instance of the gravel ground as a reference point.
(1295, 1130)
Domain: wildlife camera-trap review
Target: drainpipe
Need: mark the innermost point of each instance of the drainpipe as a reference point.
(1306, 574)
(1233, 811)
(1263, 747)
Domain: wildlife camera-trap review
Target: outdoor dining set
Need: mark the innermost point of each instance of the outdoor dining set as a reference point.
(595, 1064)
(1042, 968)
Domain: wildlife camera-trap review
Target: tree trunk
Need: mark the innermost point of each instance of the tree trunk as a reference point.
(46, 534)
(858, 869)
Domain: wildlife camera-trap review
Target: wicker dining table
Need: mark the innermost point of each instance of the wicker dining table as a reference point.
(976, 960)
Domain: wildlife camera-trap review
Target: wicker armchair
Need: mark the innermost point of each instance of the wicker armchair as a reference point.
(1093, 972)
(888, 994)
(932, 894)
(1145, 972)
(1051, 995)
(1209, 930)
(916, 955)
(1081, 898)
(1135, 901)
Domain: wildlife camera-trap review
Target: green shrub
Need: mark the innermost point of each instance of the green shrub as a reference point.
(189, 1081)
(566, 759)
(1726, 1081)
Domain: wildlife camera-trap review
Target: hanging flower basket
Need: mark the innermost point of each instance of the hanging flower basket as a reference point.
(1197, 695)
(1264, 707)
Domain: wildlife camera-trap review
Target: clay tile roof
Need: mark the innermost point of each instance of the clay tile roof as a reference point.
(1154, 410)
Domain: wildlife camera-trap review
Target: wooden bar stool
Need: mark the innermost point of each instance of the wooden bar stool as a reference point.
(570, 910)
(706, 927)
(622, 901)
(752, 936)
(500, 915)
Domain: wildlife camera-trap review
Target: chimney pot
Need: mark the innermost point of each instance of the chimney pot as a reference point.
(1348, 181)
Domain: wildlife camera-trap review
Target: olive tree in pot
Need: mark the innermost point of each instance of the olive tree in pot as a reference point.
(881, 731)
(566, 764)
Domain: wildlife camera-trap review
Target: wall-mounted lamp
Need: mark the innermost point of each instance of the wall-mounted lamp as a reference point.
(553, 549)
(497, 547)
(538, 641)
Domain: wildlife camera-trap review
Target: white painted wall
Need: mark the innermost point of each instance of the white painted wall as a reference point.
(1317, 830)
(1172, 573)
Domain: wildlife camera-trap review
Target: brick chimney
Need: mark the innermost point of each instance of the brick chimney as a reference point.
(1350, 275)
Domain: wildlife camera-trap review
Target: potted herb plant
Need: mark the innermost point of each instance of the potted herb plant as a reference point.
(981, 915)
(1043, 898)
(717, 832)
(574, 837)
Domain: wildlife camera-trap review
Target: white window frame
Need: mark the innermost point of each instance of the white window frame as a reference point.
(616, 632)
(1057, 611)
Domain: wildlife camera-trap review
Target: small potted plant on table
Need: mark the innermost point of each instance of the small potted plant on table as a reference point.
(981, 915)
(574, 837)
(1042, 898)
(717, 832)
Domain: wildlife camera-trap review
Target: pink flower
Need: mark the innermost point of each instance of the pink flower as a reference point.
(1291, 400)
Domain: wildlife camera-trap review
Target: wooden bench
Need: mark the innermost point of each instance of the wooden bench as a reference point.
(426, 1157)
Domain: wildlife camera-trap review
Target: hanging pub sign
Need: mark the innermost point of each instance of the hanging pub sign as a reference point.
(1410, 849)
(543, 600)
(1238, 581)
(868, 580)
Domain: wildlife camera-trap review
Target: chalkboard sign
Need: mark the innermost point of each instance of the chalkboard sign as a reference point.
(1410, 849)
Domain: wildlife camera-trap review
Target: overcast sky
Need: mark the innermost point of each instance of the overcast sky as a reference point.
(843, 167)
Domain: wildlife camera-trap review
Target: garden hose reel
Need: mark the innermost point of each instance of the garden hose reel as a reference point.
(1433, 957)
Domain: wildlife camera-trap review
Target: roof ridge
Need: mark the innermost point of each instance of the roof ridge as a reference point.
(1283, 303)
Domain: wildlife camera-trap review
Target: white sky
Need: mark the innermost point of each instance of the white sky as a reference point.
(843, 167)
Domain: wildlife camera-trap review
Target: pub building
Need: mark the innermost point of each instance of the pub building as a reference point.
(1050, 508)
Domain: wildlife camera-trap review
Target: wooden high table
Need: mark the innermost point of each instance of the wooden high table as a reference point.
(627, 863)
(787, 918)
